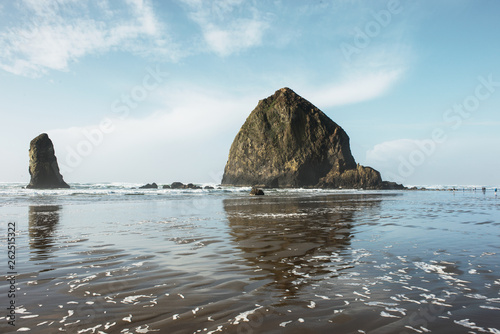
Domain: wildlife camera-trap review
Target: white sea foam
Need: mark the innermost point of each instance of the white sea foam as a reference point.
(29, 316)
(112, 190)
(218, 329)
(383, 304)
(145, 329)
(475, 296)
(361, 295)
(284, 323)
(244, 316)
(430, 268)
(90, 329)
(489, 307)
(388, 315)
(311, 304)
(322, 297)
(134, 299)
(469, 324)
(70, 313)
(413, 329)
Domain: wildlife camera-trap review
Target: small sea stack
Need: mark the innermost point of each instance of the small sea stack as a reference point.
(43, 166)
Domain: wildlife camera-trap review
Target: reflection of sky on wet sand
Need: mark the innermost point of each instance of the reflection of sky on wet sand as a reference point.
(282, 263)
(43, 221)
(295, 238)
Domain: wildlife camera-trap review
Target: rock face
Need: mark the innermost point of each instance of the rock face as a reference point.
(288, 142)
(43, 167)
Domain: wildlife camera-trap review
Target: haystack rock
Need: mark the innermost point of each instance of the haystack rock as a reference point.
(288, 142)
(43, 167)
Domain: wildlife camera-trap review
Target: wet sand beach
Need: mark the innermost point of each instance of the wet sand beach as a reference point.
(287, 262)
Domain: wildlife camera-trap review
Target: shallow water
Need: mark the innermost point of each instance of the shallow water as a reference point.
(122, 261)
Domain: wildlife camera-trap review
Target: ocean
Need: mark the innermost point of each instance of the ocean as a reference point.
(107, 258)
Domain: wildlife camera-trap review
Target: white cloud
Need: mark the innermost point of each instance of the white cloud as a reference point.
(224, 26)
(186, 140)
(454, 160)
(355, 89)
(404, 160)
(372, 74)
(389, 151)
(63, 31)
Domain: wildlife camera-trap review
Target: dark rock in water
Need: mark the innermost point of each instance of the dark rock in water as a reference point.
(180, 185)
(288, 142)
(149, 186)
(256, 192)
(166, 186)
(208, 187)
(393, 186)
(177, 185)
(43, 167)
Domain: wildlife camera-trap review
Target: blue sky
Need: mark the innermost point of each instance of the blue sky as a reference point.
(143, 91)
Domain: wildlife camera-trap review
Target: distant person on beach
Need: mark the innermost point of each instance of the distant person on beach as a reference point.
(495, 191)
(484, 190)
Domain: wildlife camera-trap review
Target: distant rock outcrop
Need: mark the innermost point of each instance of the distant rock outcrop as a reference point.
(256, 192)
(177, 185)
(43, 167)
(180, 185)
(288, 142)
(149, 186)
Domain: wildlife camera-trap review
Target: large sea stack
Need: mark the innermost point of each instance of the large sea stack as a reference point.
(43, 168)
(286, 142)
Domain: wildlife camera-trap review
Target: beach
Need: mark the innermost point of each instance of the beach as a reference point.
(111, 259)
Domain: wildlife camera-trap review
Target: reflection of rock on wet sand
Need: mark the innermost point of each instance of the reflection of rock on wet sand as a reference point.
(43, 221)
(297, 240)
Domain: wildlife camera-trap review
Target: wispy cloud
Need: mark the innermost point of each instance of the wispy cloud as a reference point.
(389, 151)
(228, 26)
(372, 74)
(402, 160)
(355, 89)
(62, 31)
(460, 159)
(187, 139)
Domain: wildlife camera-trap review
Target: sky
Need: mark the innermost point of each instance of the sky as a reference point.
(155, 91)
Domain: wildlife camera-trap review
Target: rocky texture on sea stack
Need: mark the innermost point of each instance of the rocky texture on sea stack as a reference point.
(43, 167)
(287, 142)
